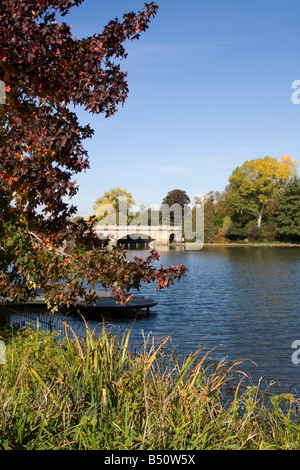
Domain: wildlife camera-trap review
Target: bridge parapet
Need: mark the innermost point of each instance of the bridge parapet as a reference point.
(161, 234)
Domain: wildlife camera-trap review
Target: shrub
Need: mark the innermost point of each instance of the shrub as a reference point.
(236, 232)
(255, 234)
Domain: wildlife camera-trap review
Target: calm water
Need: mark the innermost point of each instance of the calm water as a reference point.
(243, 301)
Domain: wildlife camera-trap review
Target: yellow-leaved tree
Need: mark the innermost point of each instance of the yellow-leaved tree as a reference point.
(114, 205)
(256, 182)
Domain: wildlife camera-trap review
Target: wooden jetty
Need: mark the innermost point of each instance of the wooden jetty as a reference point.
(111, 306)
(106, 305)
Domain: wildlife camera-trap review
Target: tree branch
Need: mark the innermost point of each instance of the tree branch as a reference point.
(57, 250)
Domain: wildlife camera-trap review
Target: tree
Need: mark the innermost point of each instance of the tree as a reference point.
(288, 214)
(45, 71)
(235, 231)
(217, 213)
(176, 196)
(173, 206)
(114, 202)
(209, 201)
(256, 182)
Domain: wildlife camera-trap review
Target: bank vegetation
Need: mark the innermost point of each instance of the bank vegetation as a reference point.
(104, 392)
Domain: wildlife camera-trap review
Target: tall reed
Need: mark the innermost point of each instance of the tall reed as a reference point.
(103, 392)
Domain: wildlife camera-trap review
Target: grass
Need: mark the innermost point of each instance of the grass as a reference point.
(102, 393)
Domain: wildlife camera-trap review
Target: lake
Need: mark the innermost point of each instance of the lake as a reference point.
(242, 301)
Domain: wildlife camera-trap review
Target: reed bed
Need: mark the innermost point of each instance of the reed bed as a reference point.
(104, 392)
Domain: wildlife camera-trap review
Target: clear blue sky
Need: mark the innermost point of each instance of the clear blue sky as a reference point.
(210, 87)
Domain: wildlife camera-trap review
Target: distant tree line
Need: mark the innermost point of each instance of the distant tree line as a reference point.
(260, 203)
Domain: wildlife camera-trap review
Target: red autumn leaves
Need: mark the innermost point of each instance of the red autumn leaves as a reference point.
(45, 70)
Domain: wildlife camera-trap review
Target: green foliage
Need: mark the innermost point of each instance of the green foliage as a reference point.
(226, 222)
(174, 207)
(255, 234)
(99, 392)
(213, 213)
(256, 182)
(236, 232)
(288, 214)
(176, 196)
(248, 208)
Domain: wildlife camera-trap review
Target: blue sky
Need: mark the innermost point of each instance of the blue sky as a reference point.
(210, 87)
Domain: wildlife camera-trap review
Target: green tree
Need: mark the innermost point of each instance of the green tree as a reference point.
(256, 182)
(217, 212)
(174, 206)
(236, 231)
(176, 196)
(211, 225)
(288, 214)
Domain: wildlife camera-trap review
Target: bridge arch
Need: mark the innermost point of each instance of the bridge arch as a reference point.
(172, 237)
(137, 234)
(135, 240)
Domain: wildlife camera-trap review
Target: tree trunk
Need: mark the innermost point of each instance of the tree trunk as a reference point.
(260, 216)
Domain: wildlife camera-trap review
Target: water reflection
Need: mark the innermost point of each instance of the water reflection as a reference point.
(243, 301)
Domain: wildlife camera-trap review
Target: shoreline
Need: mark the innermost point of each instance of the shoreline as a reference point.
(284, 245)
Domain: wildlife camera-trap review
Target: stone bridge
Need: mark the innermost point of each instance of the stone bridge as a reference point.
(140, 234)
